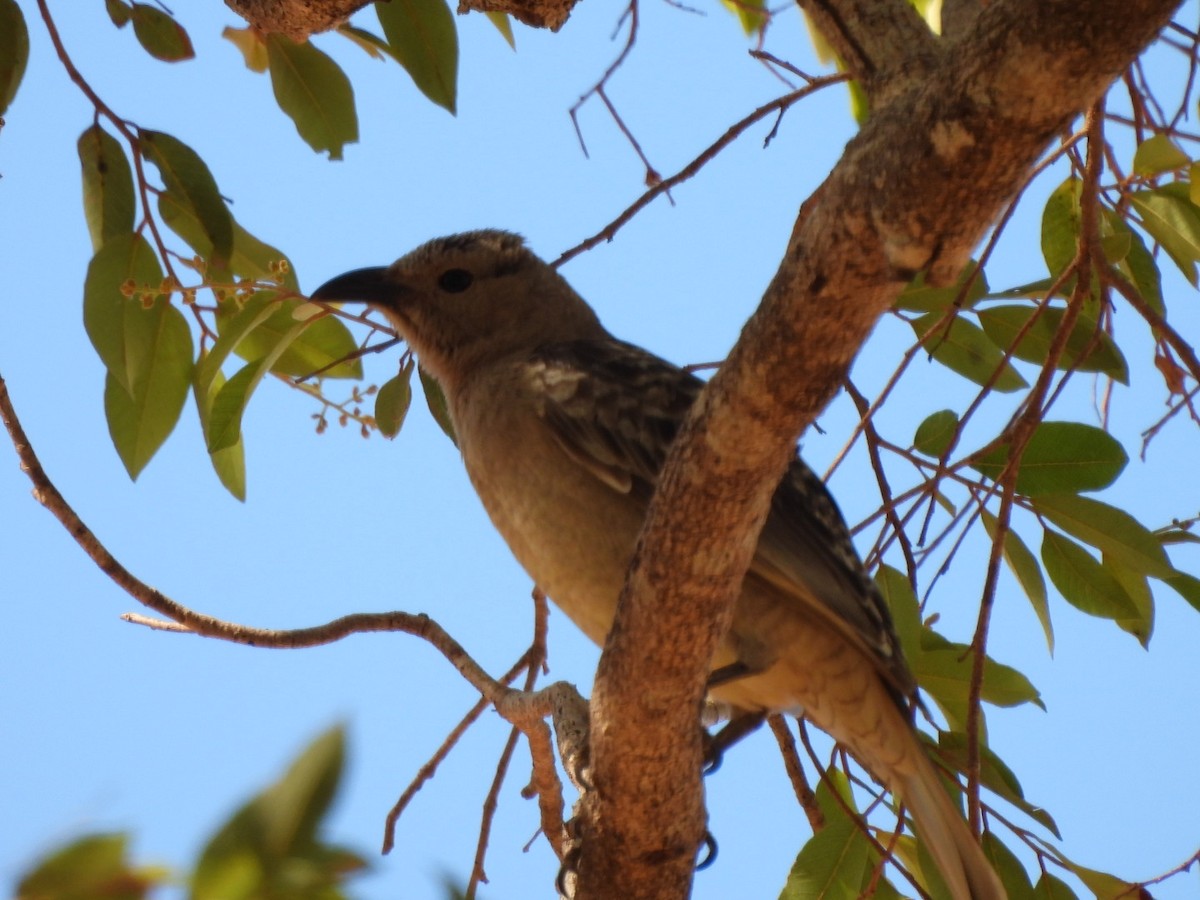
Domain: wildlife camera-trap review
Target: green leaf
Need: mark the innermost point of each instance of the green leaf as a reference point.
(1137, 588)
(121, 328)
(935, 434)
(751, 13)
(1156, 155)
(966, 291)
(314, 92)
(271, 847)
(423, 39)
(964, 348)
(250, 43)
(1088, 348)
(435, 399)
(14, 51)
(1138, 265)
(902, 604)
(90, 866)
(371, 44)
(119, 12)
(504, 25)
(1060, 226)
(230, 462)
(943, 670)
(161, 36)
(1024, 566)
(1060, 457)
(994, 775)
(1082, 581)
(108, 203)
(251, 258)
(1008, 867)
(1173, 221)
(834, 861)
(1051, 888)
(192, 186)
(1109, 529)
(392, 402)
(1186, 586)
(323, 346)
(1103, 885)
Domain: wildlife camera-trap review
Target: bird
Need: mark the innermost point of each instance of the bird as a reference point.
(564, 429)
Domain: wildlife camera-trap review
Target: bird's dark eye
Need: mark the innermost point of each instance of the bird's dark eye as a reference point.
(455, 281)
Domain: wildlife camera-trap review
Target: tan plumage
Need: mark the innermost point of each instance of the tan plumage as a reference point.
(564, 429)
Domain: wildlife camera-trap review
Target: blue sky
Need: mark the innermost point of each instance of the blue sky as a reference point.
(109, 726)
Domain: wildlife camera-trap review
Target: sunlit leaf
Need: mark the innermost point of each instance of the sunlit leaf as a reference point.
(230, 462)
(423, 39)
(1187, 586)
(1088, 348)
(935, 433)
(251, 45)
(108, 202)
(1138, 265)
(392, 402)
(161, 36)
(191, 184)
(944, 668)
(994, 774)
(831, 865)
(322, 347)
(902, 604)
(1060, 457)
(371, 44)
(504, 25)
(314, 92)
(1024, 566)
(1103, 885)
(1082, 581)
(14, 51)
(1158, 154)
(963, 347)
(1107, 528)
(1050, 888)
(751, 13)
(1170, 217)
(1012, 874)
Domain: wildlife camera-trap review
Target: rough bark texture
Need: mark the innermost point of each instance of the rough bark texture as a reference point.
(948, 143)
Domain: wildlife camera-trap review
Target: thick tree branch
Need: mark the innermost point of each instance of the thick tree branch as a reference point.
(915, 191)
(878, 41)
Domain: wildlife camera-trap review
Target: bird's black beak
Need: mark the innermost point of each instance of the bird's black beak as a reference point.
(369, 285)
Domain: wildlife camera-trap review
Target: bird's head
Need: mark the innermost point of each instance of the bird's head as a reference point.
(468, 300)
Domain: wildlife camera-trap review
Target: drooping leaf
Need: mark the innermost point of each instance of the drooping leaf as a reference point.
(1082, 581)
(504, 25)
(14, 51)
(371, 44)
(423, 39)
(994, 775)
(119, 11)
(934, 435)
(1050, 888)
(1186, 586)
(108, 202)
(120, 327)
(314, 92)
(1138, 265)
(832, 864)
(251, 45)
(963, 347)
(1024, 566)
(1137, 588)
(1088, 348)
(188, 180)
(944, 670)
(1103, 885)
(392, 402)
(902, 604)
(230, 462)
(161, 36)
(751, 14)
(435, 399)
(1005, 863)
(1060, 226)
(1107, 528)
(1158, 154)
(1170, 217)
(1060, 457)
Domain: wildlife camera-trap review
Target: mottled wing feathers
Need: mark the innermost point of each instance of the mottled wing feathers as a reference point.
(615, 409)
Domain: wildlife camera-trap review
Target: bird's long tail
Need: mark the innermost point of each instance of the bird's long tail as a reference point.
(939, 824)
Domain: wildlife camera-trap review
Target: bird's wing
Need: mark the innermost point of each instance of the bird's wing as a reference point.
(615, 409)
